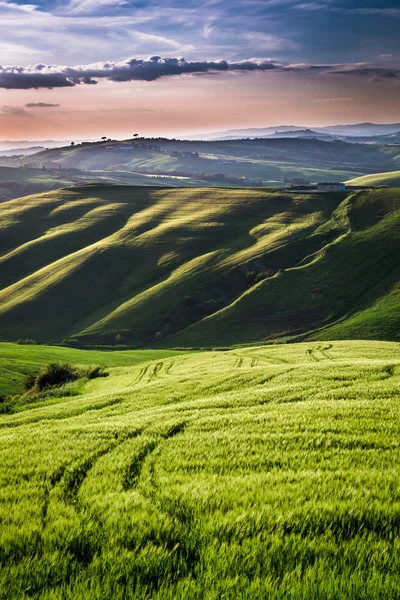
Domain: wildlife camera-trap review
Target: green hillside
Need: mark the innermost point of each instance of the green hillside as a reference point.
(390, 179)
(255, 473)
(20, 181)
(259, 159)
(140, 266)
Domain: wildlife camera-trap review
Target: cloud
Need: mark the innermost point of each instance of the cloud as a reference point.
(15, 111)
(40, 105)
(380, 12)
(365, 11)
(53, 76)
(87, 6)
(26, 8)
(268, 42)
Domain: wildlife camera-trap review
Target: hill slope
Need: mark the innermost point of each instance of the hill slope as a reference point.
(265, 159)
(200, 267)
(391, 179)
(256, 473)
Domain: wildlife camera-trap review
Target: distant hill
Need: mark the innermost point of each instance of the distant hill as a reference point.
(361, 129)
(391, 179)
(301, 134)
(22, 151)
(270, 162)
(24, 144)
(136, 266)
(358, 130)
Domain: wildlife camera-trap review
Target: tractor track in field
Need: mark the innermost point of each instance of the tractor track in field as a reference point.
(152, 371)
(135, 467)
(320, 353)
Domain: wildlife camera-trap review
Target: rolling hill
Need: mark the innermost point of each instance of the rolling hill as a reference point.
(390, 179)
(254, 473)
(259, 159)
(21, 181)
(135, 266)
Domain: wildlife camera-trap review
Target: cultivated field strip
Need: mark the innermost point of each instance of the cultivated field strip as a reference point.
(255, 473)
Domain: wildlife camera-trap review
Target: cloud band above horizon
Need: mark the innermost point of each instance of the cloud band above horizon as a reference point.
(156, 67)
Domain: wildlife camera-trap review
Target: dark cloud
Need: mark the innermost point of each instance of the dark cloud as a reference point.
(52, 76)
(16, 111)
(40, 105)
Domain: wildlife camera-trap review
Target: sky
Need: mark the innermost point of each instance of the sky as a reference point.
(81, 69)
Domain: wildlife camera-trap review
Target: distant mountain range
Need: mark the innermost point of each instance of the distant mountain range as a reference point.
(20, 146)
(359, 130)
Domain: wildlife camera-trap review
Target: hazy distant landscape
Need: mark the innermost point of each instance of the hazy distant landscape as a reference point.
(275, 163)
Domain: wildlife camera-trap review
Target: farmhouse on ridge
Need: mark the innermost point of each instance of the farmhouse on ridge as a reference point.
(331, 187)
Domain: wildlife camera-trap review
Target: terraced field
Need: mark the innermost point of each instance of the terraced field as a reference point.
(255, 473)
(138, 267)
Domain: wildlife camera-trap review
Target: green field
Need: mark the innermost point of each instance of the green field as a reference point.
(17, 361)
(390, 179)
(198, 268)
(249, 474)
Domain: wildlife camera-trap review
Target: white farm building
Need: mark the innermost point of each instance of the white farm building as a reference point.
(331, 187)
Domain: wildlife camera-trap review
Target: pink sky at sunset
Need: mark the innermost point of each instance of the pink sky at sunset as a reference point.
(177, 107)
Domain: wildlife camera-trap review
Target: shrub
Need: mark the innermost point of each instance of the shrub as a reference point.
(55, 374)
(27, 342)
(5, 407)
(94, 372)
(29, 381)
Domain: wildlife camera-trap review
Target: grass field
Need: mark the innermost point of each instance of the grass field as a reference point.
(249, 474)
(17, 361)
(391, 179)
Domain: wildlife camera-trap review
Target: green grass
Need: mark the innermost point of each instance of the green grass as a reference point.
(391, 179)
(250, 474)
(144, 266)
(17, 360)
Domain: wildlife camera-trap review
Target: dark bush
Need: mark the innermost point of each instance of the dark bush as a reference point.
(55, 374)
(27, 342)
(29, 381)
(94, 372)
(5, 406)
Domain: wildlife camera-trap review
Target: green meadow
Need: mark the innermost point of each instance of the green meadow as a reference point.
(260, 472)
(18, 361)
